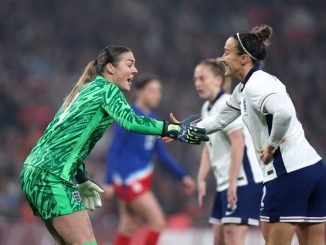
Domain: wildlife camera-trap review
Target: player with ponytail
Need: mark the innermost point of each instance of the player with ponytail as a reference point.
(54, 166)
(294, 191)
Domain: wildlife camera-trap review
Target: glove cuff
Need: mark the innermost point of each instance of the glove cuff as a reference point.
(81, 176)
(170, 129)
(165, 128)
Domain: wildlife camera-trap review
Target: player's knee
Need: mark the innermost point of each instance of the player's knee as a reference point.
(218, 234)
(158, 224)
(83, 242)
(229, 240)
(231, 236)
(218, 239)
(86, 239)
(79, 238)
(128, 229)
(229, 231)
(310, 234)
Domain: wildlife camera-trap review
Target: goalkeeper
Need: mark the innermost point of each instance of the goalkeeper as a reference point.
(47, 176)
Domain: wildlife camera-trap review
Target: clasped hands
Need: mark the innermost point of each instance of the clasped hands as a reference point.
(184, 131)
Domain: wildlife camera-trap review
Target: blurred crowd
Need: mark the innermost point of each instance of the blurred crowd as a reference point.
(45, 45)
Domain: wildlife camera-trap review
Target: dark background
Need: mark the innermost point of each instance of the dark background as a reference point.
(45, 45)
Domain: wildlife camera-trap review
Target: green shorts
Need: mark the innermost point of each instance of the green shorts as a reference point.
(48, 195)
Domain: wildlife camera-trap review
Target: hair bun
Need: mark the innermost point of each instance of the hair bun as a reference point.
(263, 34)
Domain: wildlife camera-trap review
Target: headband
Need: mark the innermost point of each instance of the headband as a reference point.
(251, 56)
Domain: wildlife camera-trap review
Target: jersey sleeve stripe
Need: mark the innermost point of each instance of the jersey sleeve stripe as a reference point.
(263, 101)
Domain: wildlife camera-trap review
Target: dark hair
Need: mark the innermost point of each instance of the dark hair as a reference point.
(254, 42)
(218, 69)
(142, 80)
(110, 54)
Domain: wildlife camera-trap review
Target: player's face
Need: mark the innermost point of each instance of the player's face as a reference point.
(231, 59)
(125, 71)
(206, 82)
(151, 94)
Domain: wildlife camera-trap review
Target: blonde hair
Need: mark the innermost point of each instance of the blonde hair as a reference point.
(218, 69)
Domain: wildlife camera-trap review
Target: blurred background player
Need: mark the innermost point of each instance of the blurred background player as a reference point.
(129, 168)
(294, 192)
(48, 173)
(231, 155)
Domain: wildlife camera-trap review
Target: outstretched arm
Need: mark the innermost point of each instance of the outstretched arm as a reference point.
(219, 121)
(116, 105)
(228, 114)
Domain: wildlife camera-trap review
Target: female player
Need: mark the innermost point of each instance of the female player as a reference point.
(230, 153)
(92, 105)
(129, 168)
(294, 189)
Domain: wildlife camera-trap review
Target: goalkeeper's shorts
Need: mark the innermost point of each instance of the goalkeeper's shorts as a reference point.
(48, 195)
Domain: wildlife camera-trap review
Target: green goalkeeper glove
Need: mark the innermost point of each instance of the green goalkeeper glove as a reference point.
(89, 190)
(179, 131)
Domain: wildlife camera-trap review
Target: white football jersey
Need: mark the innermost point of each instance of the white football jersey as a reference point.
(294, 152)
(219, 149)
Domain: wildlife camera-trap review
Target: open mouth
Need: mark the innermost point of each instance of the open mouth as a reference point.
(130, 80)
(225, 65)
(199, 91)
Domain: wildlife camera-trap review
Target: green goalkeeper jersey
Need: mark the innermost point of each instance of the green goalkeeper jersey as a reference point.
(72, 134)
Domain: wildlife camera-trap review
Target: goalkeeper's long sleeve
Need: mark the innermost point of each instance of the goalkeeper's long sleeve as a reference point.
(116, 105)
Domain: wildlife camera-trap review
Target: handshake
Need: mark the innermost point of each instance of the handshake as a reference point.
(185, 131)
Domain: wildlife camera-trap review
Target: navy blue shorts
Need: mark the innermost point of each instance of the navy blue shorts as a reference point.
(247, 207)
(299, 196)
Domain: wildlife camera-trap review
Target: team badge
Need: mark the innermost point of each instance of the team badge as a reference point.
(76, 196)
(244, 106)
